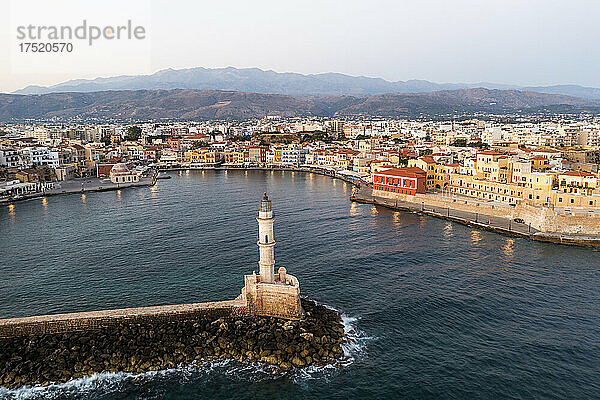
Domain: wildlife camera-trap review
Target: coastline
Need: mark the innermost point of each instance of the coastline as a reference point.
(494, 224)
(105, 187)
(314, 170)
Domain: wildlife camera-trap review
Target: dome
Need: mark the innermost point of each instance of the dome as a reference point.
(119, 169)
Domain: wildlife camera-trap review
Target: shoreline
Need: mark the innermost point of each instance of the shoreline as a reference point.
(548, 237)
(106, 187)
(313, 170)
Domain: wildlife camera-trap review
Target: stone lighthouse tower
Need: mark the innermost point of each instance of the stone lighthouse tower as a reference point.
(275, 294)
(266, 241)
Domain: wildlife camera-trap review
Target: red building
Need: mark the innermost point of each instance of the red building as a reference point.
(411, 180)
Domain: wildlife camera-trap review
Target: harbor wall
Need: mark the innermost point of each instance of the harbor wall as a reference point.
(73, 322)
(41, 350)
(540, 218)
(540, 224)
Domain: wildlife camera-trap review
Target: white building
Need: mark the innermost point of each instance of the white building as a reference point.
(293, 155)
(10, 158)
(41, 156)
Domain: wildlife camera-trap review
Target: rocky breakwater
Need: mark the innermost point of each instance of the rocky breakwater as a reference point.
(139, 347)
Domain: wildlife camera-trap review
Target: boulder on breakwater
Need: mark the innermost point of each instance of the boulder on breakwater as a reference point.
(151, 345)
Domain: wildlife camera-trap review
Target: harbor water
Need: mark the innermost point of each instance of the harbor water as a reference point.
(437, 310)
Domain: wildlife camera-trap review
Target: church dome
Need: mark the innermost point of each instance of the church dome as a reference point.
(119, 169)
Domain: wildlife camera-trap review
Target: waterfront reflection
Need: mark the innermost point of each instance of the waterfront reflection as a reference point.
(83, 198)
(508, 249)
(154, 191)
(475, 237)
(119, 195)
(354, 210)
(448, 230)
(45, 204)
(374, 211)
(11, 212)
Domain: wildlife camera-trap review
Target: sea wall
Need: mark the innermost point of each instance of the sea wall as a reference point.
(564, 222)
(40, 352)
(541, 224)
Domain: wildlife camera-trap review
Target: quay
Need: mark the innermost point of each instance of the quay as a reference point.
(475, 214)
(348, 178)
(84, 185)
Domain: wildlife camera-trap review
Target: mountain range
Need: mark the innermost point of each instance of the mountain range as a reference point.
(255, 80)
(187, 104)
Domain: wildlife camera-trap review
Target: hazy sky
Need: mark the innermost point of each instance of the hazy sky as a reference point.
(515, 42)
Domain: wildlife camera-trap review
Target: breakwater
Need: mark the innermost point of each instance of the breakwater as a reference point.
(149, 341)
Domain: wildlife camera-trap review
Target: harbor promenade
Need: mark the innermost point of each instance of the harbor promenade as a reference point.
(84, 185)
(495, 217)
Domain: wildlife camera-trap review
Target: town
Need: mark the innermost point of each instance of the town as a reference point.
(542, 164)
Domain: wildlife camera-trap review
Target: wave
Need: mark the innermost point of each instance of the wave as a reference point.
(98, 385)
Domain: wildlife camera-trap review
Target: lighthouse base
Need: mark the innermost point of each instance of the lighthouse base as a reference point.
(278, 299)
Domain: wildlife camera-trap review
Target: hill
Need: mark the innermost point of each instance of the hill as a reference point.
(214, 104)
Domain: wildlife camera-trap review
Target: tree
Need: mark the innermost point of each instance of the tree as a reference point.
(133, 133)
(460, 143)
(105, 140)
(479, 145)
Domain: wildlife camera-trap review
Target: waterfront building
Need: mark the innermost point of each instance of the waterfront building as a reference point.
(408, 180)
(120, 173)
(10, 158)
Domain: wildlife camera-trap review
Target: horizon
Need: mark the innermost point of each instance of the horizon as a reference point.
(515, 44)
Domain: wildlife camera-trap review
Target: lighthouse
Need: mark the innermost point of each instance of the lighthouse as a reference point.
(270, 293)
(266, 241)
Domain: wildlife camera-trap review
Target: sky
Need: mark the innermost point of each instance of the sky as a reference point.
(512, 42)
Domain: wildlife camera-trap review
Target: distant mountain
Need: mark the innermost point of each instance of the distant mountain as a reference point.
(128, 105)
(478, 100)
(255, 80)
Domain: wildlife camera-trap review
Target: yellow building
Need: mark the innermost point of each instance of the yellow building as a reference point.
(493, 166)
(577, 182)
(465, 185)
(427, 164)
(540, 163)
(537, 181)
(277, 155)
(196, 156)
